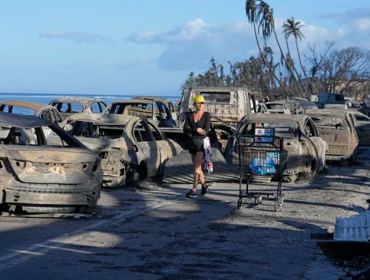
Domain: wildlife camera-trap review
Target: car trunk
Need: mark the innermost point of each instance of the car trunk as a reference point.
(338, 141)
(48, 165)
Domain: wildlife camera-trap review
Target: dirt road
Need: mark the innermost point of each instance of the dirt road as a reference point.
(158, 234)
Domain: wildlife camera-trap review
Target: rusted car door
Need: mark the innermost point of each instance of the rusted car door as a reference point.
(354, 139)
(320, 146)
(148, 147)
(306, 155)
(162, 148)
(362, 125)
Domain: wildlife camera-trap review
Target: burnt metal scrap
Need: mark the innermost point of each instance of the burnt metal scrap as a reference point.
(336, 127)
(306, 150)
(130, 147)
(44, 169)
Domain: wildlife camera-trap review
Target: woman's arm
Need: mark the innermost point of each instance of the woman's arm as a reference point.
(187, 128)
(207, 124)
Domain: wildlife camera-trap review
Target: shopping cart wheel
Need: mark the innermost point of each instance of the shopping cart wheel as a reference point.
(279, 203)
(259, 199)
(239, 204)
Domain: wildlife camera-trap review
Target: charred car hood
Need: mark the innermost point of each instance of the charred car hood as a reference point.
(99, 145)
(48, 165)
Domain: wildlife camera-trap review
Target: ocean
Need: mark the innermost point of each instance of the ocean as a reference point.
(45, 98)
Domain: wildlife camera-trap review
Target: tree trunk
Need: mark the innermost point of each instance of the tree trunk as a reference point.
(283, 56)
(295, 70)
(304, 71)
(264, 60)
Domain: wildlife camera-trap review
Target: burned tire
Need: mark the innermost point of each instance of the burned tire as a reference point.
(140, 173)
(353, 159)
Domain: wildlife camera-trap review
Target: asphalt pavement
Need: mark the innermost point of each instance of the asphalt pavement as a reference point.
(156, 233)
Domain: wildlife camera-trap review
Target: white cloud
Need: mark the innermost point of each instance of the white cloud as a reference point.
(79, 37)
(191, 45)
(357, 23)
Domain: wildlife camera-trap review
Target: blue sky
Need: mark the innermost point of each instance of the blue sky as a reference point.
(147, 46)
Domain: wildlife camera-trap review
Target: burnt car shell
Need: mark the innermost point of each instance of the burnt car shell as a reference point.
(337, 128)
(68, 106)
(277, 108)
(362, 126)
(306, 151)
(41, 177)
(40, 110)
(128, 145)
(155, 110)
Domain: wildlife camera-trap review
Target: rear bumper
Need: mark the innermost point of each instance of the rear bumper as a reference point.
(61, 199)
(336, 157)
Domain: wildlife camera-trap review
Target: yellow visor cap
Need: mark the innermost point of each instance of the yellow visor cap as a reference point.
(198, 99)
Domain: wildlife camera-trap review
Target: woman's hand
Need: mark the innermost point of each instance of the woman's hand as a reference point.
(201, 131)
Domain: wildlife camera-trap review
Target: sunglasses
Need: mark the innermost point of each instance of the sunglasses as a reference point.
(200, 103)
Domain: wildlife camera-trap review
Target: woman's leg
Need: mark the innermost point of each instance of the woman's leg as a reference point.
(198, 173)
(196, 177)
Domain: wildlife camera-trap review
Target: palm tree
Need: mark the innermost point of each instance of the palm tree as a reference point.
(292, 27)
(265, 16)
(291, 63)
(251, 12)
(215, 69)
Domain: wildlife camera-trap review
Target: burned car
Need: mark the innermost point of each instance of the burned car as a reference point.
(43, 111)
(44, 169)
(293, 105)
(154, 110)
(165, 101)
(130, 147)
(337, 106)
(358, 106)
(69, 106)
(277, 108)
(308, 105)
(362, 126)
(336, 127)
(306, 150)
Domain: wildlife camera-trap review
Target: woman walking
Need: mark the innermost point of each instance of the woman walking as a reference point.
(197, 124)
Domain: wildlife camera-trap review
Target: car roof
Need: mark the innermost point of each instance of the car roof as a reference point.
(218, 88)
(277, 117)
(107, 119)
(141, 101)
(154, 98)
(22, 121)
(24, 104)
(79, 100)
(326, 112)
(275, 102)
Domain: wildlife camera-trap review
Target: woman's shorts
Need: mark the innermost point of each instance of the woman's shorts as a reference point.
(196, 145)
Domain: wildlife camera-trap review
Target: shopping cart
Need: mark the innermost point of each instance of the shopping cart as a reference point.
(261, 158)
